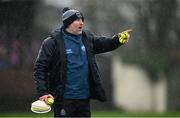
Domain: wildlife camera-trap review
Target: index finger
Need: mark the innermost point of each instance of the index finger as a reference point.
(128, 30)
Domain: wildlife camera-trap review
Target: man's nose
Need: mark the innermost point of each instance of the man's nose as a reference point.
(81, 22)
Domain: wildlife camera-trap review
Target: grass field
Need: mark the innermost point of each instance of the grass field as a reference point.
(95, 114)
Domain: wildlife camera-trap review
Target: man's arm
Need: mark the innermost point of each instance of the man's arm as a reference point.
(104, 44)
(41, 66)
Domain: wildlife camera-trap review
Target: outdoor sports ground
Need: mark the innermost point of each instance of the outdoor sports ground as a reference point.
(97, 114)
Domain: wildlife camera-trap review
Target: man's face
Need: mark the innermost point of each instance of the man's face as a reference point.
(76, 27)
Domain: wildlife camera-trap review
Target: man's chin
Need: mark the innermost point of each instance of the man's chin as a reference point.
(79, 32)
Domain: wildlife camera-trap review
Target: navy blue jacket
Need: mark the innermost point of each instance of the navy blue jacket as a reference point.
(50, 64)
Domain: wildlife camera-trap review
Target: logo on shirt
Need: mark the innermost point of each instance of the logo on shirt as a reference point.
(69, 51)
(83, 48)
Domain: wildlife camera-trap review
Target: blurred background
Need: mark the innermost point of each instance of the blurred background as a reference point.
(142, 76)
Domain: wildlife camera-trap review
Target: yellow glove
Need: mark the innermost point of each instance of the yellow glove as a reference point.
(124, 36)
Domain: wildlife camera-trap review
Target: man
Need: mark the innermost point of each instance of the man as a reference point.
(66, 69)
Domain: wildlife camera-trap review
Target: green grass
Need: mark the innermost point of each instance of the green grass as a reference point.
(127, 114)
(25, 114)
(95, 114)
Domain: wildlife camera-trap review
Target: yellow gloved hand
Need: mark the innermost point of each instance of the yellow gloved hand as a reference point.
(124, 36)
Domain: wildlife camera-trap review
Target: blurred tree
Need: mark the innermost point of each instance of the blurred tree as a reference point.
(159, 35)
(156, 22)
(155, 19)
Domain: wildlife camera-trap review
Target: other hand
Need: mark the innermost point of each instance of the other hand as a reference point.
(45, 97)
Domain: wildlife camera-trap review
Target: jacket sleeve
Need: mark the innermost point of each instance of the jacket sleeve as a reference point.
(42, 64)
(105, 44)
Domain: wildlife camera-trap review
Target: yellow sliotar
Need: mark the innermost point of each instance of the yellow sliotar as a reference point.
(50, 101)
